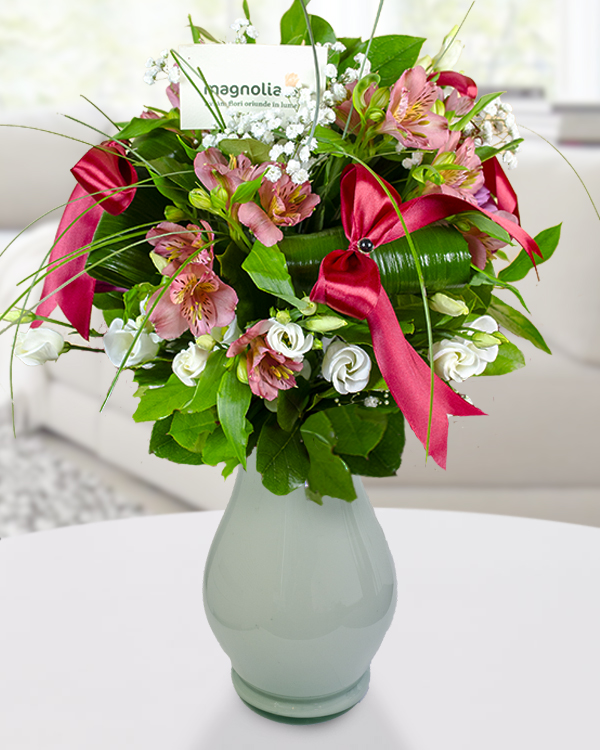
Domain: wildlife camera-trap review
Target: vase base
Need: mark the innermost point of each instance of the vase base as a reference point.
(292, 710)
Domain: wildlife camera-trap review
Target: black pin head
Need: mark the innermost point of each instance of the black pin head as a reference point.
(365, 245)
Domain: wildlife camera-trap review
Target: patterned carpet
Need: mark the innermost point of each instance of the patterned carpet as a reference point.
(41, 491)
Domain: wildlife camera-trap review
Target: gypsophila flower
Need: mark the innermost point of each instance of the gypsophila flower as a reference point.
(331, 71)
(243, 28)
(272, 173)
(371, 402)
(294, 130)
(160, 67)
(289, 148)
(338, 47)
(495, 126)
(414, 160)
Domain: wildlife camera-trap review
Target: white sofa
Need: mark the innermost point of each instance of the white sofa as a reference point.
(536, 452)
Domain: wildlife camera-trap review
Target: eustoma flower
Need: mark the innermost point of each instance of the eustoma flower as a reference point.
(269, 371)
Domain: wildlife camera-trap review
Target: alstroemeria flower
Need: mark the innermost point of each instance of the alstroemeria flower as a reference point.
(214, 170)
(463, 183)
(197, 300)
(268, 371)
(285, 204)
(481, 246)
(409, 117)
(177, 244)
(342, 110)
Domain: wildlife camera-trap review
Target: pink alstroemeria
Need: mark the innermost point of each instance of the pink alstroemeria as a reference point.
(196, 299)
(173, 95)
(463, 183)
(214, 170)
(268, 371)
(346, 107)
(177, 244)
(481, 246)
(285, 204)
(409, 117)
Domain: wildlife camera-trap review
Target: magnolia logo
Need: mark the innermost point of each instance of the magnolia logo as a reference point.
(245, 90)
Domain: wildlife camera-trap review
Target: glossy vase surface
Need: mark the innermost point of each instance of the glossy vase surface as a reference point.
(299, 596)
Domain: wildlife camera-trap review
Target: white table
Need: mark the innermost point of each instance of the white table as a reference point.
(495, 644)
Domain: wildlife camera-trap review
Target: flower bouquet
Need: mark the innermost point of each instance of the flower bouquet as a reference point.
(298, 256)
(307, 271)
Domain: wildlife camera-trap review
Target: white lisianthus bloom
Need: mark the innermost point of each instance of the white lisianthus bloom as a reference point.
(119, 338)
(189, 363)
(38, 345)
(459, 358)
(289, 339)
(346, 366)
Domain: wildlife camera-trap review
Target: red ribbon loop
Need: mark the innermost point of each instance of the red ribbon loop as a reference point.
(349, 282)
(101, 175)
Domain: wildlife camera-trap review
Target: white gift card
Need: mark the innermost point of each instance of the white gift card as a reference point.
(242, 78)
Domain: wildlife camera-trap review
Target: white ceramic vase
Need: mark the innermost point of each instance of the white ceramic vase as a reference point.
(299, 596)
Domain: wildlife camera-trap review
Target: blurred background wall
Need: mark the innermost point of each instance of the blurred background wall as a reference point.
(537, 452)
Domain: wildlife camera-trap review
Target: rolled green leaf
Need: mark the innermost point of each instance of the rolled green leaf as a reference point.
(443, 252)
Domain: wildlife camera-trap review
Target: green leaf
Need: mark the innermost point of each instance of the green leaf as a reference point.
(331, 142)
(198, 32)
(290, 406)
(246, 10)
(487, 278)
(521, 265)
(233, 401)
(217, 449)
(486, 152)
(157, 374)
(517, 323)
(256, 151)
(483, 102)
(391, 55)
(477, 219)
(141, 125)
(134, 297)
(157, 403)
(252, 303)
(328, 474)
(357, 429)
(509, 358)
(267, 268)
(293, 24)
(281, 459)
(385, 459)
(443, 253)
(191, 430)
(207, 386)
(164, 446)
(323, 32)
(246, 191)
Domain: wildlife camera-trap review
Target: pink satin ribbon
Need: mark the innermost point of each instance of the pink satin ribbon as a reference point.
(101, 174)
(497, 183)
(349, 282)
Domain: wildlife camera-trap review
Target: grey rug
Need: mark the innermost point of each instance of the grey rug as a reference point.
(41, 491)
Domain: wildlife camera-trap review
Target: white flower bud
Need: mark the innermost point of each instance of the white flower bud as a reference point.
(189, 363)
(38, 345)
(346, 366)
(119, 338)
(447, 305)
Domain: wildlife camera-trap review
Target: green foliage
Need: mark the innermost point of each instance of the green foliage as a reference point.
(256, 151)
(281, 458)
(328, 473)
(385, 459)
(547, 242)
(267, 268)
(233, 401)
(391, 55)
(209, 381)
(509, 358)
(140, 126)
(163, 445)
(517, 323)
(358, 430)
(158, 403)
(190, 430)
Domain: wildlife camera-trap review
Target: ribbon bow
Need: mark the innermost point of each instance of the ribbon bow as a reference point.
(101, 176)
(349, 282)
